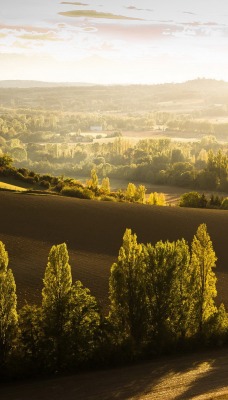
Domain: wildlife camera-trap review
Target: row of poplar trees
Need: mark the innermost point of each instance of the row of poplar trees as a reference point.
(161, 298)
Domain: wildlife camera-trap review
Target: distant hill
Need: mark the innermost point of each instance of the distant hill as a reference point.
(196, 83)
(39, 84)
(86, 97)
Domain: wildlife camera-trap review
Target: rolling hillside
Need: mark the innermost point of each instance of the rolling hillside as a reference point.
(93, 231)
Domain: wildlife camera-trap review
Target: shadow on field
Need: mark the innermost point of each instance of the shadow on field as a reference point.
(180, 378)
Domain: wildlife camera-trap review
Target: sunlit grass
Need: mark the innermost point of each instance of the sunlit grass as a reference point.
(7, 186)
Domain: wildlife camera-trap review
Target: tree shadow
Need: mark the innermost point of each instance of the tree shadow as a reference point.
(178, 378)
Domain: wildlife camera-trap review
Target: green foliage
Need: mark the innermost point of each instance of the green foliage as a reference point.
(156, 199)
(8, 307)
(93, 183)
(191, 199)
(4, 261)
(55, 300)
(169, 291)
(77, 192)
(224, 204)
(203, 260)
(162, 296)
(5, 161)
(45, 184)
(141, 194)
(83, 325)
(31, 337)
(127, 290)
(161, 299)
(130, 192)
(105, 186)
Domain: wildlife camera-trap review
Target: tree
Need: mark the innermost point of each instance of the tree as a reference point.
(56, 298)
(224, 204)
(83, 325)
(203, 261)
(190, 199)
(157, 199)
(127, 290)
(161, 269)
(94, 179)
(31, 336)
(141, 194)
(8, 307)
(130, 192)
(181, 292)
(5, 161)
(105, 186)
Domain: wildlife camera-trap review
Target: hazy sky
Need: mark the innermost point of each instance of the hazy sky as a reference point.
(114, 41)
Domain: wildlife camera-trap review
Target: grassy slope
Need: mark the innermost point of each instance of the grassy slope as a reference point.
(7, 186)
(93, 231)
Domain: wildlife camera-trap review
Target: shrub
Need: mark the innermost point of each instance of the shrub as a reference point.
(23, 171)
(78, 192)
(107, 198)
(45, 184)
(191, 199)
(224, 204)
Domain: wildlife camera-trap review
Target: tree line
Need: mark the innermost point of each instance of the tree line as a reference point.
(162, 300)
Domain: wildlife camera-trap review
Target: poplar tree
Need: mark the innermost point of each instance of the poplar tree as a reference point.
(130, 192)
(203, 260)
(105, 185)
(128, 290)
(181, 294)
(8, 306)
(160, 275)
(56, 297)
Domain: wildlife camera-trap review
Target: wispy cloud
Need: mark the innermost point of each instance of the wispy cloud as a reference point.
(189, 13)
(50, 36)
(137, 41)
(134, 8)
(139, 9)
(74, 3)
(97, 15)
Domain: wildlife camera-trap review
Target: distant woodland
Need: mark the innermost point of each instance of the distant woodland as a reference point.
(71, 130)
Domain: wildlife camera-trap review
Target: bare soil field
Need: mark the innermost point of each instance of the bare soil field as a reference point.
(197, 376)
(93, 231)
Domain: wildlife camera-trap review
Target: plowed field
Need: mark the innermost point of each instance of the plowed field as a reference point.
(31, 224)
(93, 231)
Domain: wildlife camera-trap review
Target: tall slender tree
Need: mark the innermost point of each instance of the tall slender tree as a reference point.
(56, 298)
(203, 260)
(8, 307)
(128, 290)
(160, 276)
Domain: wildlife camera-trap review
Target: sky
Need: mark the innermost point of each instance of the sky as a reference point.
(113, 41)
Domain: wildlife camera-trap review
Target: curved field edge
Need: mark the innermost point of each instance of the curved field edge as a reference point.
(93, 232)
(8, 186)
(197, 376)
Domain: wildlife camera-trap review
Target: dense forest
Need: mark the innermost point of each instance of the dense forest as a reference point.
(162, 300)
(124, 132)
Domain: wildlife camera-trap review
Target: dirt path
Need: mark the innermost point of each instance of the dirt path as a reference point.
(198, 377)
